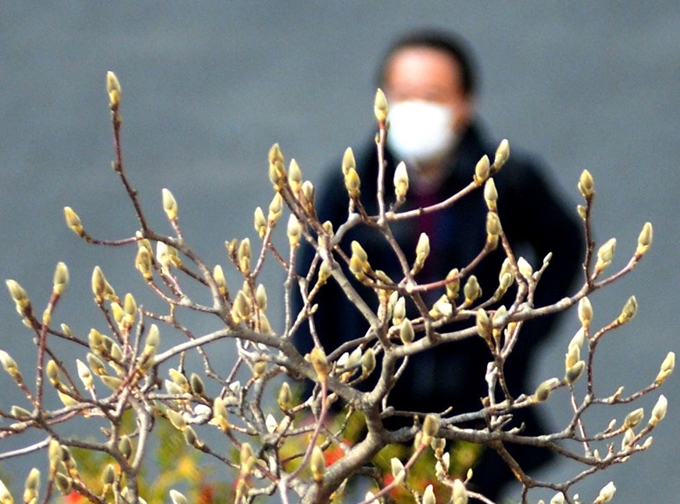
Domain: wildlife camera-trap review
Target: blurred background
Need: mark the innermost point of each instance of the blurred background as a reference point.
(208, 87)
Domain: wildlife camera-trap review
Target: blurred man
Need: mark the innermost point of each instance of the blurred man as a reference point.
(430, 83)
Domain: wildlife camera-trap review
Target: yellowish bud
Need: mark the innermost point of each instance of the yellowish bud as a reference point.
(61, 278)
(243, 256)
(472, 290)
(422, 252)
(453, 285)
(20, 297)
(544, 390)
(352, 183)
(53, 373)
(401, 181)
(317, 464)
(525, 269)
(260, 222)
(629, 310)
(111, 382)
(285, 397)
(169, 205)
(573, 356)
(430, 428)
(428, 495)
(483, 324)
(606, 493)
(586, 184)
(176, 419)
(633, 418)
(501, 156)
(143, 263)
(491, 195)
(667, 367)
(5, 496)
(575, 372)
(96, 364)
(398, 470)
(482, 170)
(318, 359)
(84, 374)
(459, 494)
(399, 311)
(406, 332)
(220, 280)
(493, 224)
(348, 162)
(294, 176)
(644, 240)
(275, 209)
(277, 171)
(113, 89)
(20, 413)
(585, 312)
(98, 285)
(380, 106)
(605, 254)
(368, 362)
(10, 365)
(31, 486)
(659, 411)
(247, 458)
(294, 231)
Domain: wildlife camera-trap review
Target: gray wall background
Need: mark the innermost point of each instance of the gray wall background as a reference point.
(209, 86)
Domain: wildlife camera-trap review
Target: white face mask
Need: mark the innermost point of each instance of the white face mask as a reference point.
(420, 131)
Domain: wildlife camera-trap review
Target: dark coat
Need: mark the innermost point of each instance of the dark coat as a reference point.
(536, 222)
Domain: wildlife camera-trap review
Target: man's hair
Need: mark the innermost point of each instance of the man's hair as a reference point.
(450, 44)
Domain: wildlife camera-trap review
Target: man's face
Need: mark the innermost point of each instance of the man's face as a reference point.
(421, 73)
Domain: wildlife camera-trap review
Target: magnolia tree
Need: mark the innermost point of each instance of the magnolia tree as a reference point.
(126, 381)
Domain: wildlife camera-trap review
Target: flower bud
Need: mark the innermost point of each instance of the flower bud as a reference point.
(5, 496)
(399, 311)
(501, 156)
(482, 170)
(659, 411)
(667, 367)
(95, 363)
(243, 256)
(20, 413)
(60, 278)
(633, 418)
(348, 162)
(491, 195)
(430, 427)
(260, 222)
(401, 181)
(277, 171)
(10, 365)
(53, 373)
(406, 333)
(98, 285)
(176, 419)
(558, 498)
(178, 498)
(459, 493)
(629, 310)
(275, 209)
(294, 231)
(220, 280)
(585, 312)
(63, 483)
(380, 106)
(472, 290)
(294, 176)
(367, 362)
(113, 89)
(398, 471)
(573, 356)
(20, 297)
(483, 324)
(285, 397)
(606, 493)
(575, 372)
(525, 269)
(586, 184)
(544, 390)
(31, 486)
(644, 240)
(317, 464)
(109, 475)
(169, 205)
(428, 495)
(453, 286)
(605, 254)
(318, 359)
(352, 183)
(84, 374)
(143, 263)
